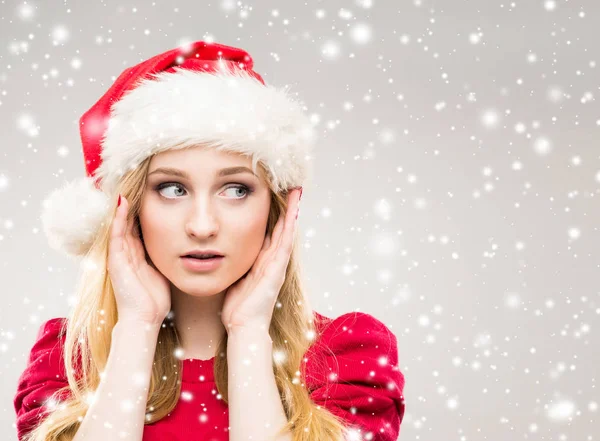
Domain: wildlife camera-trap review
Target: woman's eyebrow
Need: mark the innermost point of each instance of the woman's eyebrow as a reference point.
(180, 173)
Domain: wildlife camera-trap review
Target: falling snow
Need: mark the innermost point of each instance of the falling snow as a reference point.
(454, 193)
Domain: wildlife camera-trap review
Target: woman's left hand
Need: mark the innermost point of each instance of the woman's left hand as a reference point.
(250, 301)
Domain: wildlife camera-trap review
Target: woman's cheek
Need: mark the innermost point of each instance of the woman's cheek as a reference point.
(248, 231)
(156, 224)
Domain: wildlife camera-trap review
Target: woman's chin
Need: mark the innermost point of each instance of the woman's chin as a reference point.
(199, 285)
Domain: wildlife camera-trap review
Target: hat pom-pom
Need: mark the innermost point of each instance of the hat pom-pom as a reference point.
(72, 216)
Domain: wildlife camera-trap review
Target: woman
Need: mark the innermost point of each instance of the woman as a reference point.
(166, 342)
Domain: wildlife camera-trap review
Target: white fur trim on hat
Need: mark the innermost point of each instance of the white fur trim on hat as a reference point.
(72, 216)
(227, 110)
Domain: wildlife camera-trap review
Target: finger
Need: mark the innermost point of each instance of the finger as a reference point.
(117, 243)
(264, 252)
(266, 243)
(139, 245)
(277, 232)
(130, 247)
(282, 227)
(127, 243)
(135, 244)
(118, 250)
(286, 239)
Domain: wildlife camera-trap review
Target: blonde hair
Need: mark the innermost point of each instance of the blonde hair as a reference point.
(89, 329)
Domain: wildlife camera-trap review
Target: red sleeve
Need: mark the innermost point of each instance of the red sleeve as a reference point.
(44, 374)
(352, 371)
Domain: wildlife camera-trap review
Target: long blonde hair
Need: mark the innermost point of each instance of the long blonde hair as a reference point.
(89, 329)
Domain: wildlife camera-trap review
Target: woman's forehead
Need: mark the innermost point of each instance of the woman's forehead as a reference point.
(207, 158)
(195, 161)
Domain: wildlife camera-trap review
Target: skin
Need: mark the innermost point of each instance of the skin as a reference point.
(203, 211)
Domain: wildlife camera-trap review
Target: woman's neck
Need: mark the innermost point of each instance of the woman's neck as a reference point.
(198, 323)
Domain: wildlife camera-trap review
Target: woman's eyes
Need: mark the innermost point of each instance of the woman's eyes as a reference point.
(247, 190)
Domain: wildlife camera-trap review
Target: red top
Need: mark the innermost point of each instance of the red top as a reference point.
(362, 383)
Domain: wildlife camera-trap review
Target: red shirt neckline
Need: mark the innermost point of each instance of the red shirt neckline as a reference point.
(198, 371)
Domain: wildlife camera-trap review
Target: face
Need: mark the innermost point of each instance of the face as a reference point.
(204, 209)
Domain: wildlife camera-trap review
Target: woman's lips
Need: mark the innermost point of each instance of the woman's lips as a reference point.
(202, 265)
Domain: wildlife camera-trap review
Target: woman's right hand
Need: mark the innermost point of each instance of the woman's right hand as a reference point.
(142, 293)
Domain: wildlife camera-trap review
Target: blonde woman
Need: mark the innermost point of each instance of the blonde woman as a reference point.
(192, 322)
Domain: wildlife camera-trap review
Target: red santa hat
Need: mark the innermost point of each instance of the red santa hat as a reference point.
(203, 93)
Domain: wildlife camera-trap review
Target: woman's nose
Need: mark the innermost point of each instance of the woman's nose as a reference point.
(202, 221)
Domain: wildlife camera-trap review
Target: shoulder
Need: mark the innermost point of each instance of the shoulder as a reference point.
(352, 370)
(44, 374)
(45, 355)
(351, 321)
(353, 331)
(355, 339)
(51, 328)
(50, 338)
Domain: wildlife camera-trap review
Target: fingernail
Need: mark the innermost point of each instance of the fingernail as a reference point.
(301, 189)
(119, 202)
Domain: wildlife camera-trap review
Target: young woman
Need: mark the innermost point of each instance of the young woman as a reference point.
(192, 322)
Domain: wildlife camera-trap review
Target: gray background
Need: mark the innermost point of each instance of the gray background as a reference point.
(454, 195)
